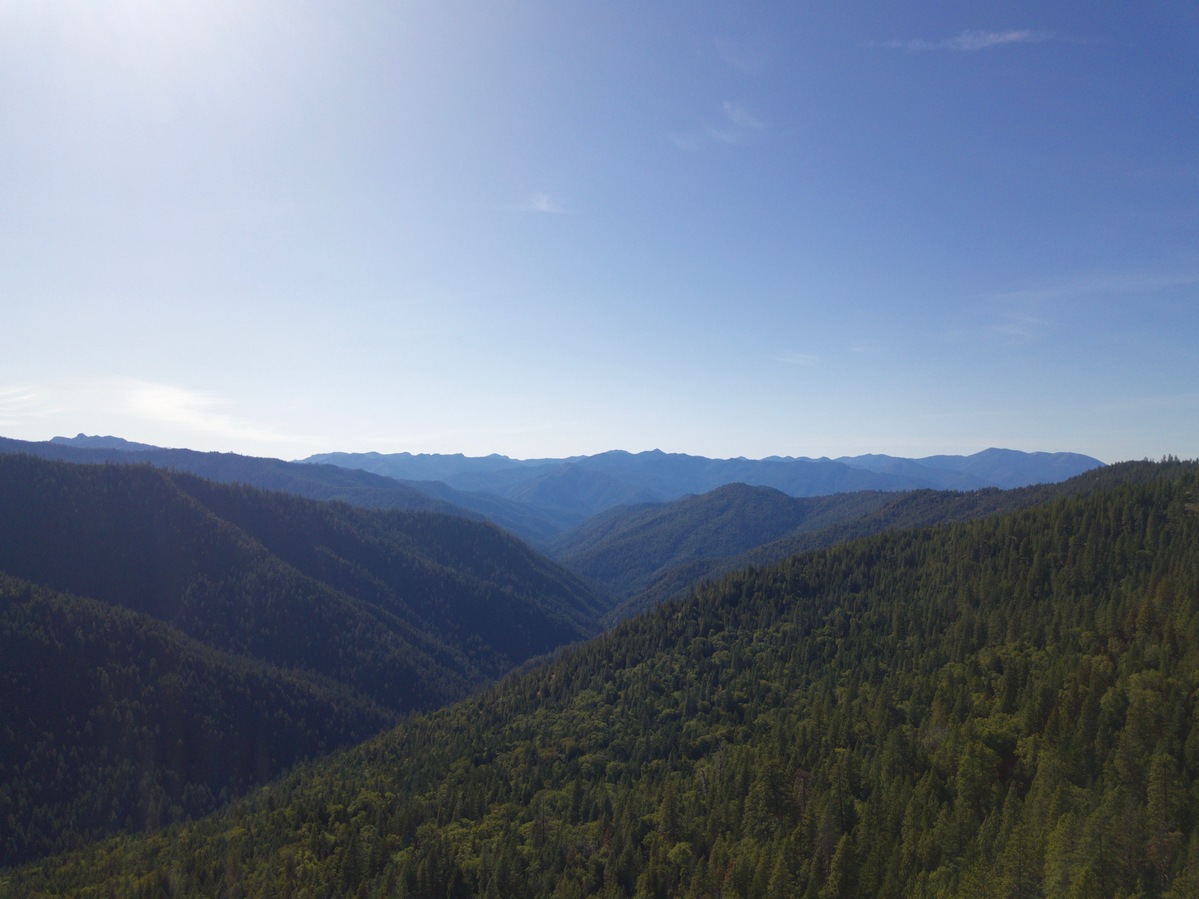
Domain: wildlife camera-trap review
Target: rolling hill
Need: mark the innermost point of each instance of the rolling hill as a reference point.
(115, 721)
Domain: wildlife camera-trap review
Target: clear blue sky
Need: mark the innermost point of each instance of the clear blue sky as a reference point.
(552, 228)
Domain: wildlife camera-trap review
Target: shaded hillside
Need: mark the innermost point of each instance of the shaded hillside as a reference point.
(826, 521)
(573, 494)
(841, 518)
(418, 598)
(315, 482)
(1006, 706)
(629, 547)
(386, 611)
(325, 482)
(529, 522)
(115, 721)
(469, 583)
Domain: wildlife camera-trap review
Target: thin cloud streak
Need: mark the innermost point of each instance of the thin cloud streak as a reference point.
(131, 403)
(18, 403)
(740, 116)
(545, 204)
(1102, 283)
(196, 411)
(970, 41)
(740, 57)
(1160, 401)
(736, 125)
(1027, 315)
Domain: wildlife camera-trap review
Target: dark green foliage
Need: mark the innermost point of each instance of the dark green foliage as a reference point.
(636, 553)
(645, 555)
(406, 607)
(115, 721)
(1003, 707)
(362, 614)
(629, 547)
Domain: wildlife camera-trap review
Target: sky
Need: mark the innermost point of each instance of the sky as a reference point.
(556, 228)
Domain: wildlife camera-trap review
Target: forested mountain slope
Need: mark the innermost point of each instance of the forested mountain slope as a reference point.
(628, 547)
(1005, 706)
(384, 612)
(825, 521)
(115, 721)
(406, 607)
(325, 482)
(315, 482)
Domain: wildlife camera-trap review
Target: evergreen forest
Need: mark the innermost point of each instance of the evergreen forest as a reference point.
(168, 642)
(999, 707)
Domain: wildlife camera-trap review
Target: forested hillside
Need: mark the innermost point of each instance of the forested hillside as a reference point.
(1002, 707)
(628, 547)
(313, 481)
(362, 615)
(646, 554)
(327, 482)
(115, 721)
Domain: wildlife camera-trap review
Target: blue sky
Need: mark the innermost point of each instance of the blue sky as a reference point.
(546, 229)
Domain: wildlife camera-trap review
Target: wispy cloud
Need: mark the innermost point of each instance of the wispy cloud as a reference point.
(545, 204)
(969, 41)
(1029, 314)
(194, 410)
(740, 56)
(736, 124)
(1101, 283)
(1023, 325)
(19, 403)
(1158, 402)
(160, 414)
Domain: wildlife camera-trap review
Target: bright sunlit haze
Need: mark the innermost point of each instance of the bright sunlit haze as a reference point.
(548, 229)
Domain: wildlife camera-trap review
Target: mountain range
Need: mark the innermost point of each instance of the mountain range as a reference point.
(541, 499)
(219, 618)
(999, 706)
(576, 488)
(637, 553)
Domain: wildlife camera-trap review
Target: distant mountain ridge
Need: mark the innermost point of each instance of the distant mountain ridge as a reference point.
(540, 499)
(583, 486)
(84, 441)
(350, 485)
(994, 467)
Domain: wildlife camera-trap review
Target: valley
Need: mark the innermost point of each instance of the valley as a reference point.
(738, 692)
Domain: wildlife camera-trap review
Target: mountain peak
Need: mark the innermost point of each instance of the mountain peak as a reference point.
(106, 442)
